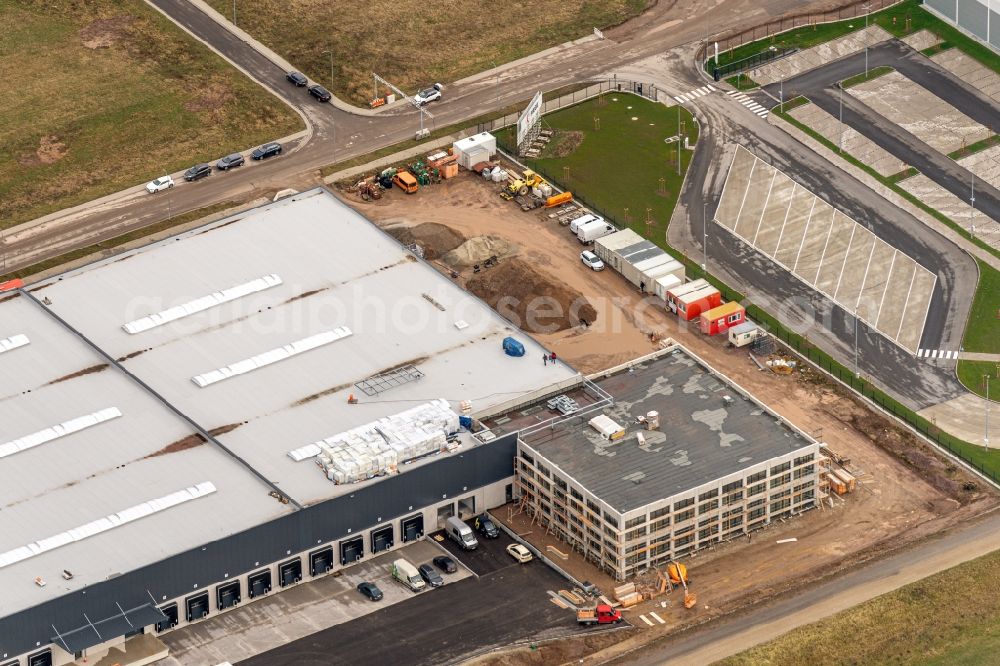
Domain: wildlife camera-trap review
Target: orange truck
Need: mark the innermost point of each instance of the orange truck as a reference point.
(602, 614)
(405, 181)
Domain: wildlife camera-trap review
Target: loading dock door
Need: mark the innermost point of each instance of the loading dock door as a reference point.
(41, 659)
(352, 550)
(228, 595)
(290, 572)
(170, 611)
(197, 606)
(412, 528)
(321, 561)
(445, 511)
(259, 584)
(382, 539)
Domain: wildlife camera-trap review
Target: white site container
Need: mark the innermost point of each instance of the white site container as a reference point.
(474, 149)
(664, 284)
(607, 246)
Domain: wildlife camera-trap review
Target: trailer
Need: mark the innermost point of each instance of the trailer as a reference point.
(690, 303)
(685, 288)
(743, 334)
(720, 318)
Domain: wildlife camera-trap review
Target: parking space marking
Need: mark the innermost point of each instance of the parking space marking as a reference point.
(657, 617)
(646, 620)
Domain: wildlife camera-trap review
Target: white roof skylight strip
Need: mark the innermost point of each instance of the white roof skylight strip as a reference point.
(104, 524)
(13, 342)
(202, 304)
(273, 356)
(57, 431)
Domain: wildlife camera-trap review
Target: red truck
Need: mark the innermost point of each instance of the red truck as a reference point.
(602, 614)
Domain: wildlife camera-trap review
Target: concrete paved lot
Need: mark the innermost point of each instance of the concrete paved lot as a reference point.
(296, 612)
(955, 208)
(852, 141)
(971, 71)
(826, 249)
(819, 54)
(920, 112)
(507, 603)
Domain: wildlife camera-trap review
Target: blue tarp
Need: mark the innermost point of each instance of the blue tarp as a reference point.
(512, 347)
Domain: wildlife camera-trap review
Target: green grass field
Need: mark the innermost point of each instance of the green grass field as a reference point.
(414, 43)
(105, 94)
(948, 619)
(982, 333)
(620, 158)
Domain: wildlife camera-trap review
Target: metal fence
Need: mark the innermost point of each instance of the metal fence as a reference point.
(751, 62)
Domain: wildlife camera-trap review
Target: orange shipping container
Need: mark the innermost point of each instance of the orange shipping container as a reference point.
(449, 170)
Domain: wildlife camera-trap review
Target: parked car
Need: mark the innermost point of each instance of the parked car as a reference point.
(320, 93)
(430, 575)
(408, 575)
(267, 150)
(160, 184)
(445, 564)
(484, 525)
(230, 162)
(298, 78)
(370, 590)
(519, 552)
(426, 95)
(591, 260)
(197, 172)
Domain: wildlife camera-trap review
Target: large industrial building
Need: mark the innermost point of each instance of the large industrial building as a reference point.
(189, 425)
(660, 460)
(978, 18)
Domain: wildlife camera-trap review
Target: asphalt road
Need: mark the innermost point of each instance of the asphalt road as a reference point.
(506, 603)
(728, 636)
(819, 86)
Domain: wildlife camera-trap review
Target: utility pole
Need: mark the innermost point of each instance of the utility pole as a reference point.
(855, 340)
(972, 207)
(781, 93)
(986, 439)
(704, 237)
(234, 12)
(330, 52)
(679, 145)
(867, 7)
(497, 85)
(841, 143)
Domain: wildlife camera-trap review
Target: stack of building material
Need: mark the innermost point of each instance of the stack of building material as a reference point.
(627, 595)
(848, 479)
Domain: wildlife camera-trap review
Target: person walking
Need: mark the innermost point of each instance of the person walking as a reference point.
(553, 357)
(545, 359)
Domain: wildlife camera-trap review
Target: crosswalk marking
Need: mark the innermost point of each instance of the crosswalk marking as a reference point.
(646, 620)
(748, 103)
(657, 617)
(941, 354)
(692, 95)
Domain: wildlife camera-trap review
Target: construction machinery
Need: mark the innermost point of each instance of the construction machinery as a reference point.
(521, 185)
(678, 574)
(369, 189)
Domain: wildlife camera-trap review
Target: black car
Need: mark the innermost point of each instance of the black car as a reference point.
(230, 162)
(267, 150)
(370, 590)
(197, 172)
(484, 525)
(320, 93)
(432, 577)
(445, 564)
(297, 78)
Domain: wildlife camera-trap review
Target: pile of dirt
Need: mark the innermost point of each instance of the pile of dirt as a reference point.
(50, 150)
(478, 249)
(530, 299)
(435, 239)
(563, 144)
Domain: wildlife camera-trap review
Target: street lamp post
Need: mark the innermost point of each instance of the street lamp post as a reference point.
(234, 12)
(330, 53)
(840, 145)
(496, 85)
(704, 237)
(986, 439)
(866, 8)
(972, 207)
(855, 341)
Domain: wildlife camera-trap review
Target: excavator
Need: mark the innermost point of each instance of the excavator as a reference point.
(679, 576)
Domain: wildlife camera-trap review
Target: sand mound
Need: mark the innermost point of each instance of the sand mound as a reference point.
(529, 298)
(436, 239)
(478, 249)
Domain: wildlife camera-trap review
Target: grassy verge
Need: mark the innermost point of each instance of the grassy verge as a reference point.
(982, 333)
(862, 77)
(117, 95)
(742, 82)
(976, 147)
(902, 175)
(948, 618)
(972, 375)
(414, 43)
(794, 103)
(937, 48)
(117, 241)
(618, 159)
(889, 182)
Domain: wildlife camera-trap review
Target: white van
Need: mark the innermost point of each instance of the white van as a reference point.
(580, 221)
(408, 575)
(461, 533)
(591, 231)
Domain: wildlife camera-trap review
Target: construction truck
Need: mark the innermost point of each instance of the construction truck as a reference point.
(521, 185)
(601, 614)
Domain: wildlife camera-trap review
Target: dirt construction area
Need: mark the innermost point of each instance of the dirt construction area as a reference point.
(906, 490)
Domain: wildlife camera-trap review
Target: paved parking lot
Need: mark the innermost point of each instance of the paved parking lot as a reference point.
(505, 603)
(827, 250)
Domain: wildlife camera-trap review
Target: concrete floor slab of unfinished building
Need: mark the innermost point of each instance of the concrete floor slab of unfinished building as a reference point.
(965, 417)
(819, 55)
(955, 209)
(854, 143)
(293, 613)
(970, 70)
(920, 112)
(841, 259)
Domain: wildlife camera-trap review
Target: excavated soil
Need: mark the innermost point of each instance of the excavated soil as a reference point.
(563, 144)
(435, 239)
(478, 249)
(529, 298)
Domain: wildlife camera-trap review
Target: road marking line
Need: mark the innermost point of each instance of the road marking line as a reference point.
(935, 354)
(657, 617)
(756, 230)
(920, 353)
(888, 277)
(679, 100)
(906, 301)
(781, 232)
(709, 86)
(840, 275)
(805, 233)
(646, 620)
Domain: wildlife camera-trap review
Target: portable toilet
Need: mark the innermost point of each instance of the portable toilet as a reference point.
(512, 347)
(743, 334)
(719, 319)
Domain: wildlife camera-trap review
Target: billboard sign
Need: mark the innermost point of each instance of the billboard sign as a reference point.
(529, 117)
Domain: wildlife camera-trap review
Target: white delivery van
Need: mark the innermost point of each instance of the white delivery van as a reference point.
(460, 533)
(575, 225)
(591, 231)
(408, 575)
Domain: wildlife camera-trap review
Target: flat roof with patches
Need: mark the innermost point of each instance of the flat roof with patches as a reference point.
(703, 436)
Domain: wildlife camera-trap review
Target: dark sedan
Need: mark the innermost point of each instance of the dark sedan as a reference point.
(267, 150)
(297, 78)
(197, 172)
(370, 590)
(230, 162)
(445, 564)
(320, 93)
(430, 575)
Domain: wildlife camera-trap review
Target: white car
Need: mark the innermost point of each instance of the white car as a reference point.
(426, 95)
(519, 552)
(591, 260)
(160, 184)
